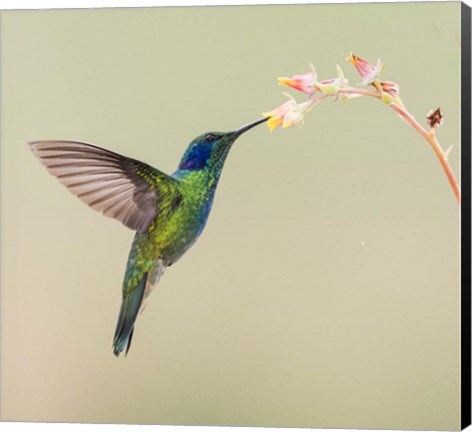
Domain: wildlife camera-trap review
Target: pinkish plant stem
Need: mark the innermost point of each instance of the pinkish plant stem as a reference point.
(360, 92)
(428, 136)
(431, 138)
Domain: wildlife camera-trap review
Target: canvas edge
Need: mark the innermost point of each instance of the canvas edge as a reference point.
(465, 217)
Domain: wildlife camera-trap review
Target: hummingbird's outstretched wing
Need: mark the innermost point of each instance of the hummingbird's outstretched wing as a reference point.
(117, 186)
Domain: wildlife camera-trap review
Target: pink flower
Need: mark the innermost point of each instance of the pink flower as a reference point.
(288, 114)
(302, 82)
(368, 72)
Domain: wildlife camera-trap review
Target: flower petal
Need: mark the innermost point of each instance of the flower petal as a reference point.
(368, 72)
(302, 82)
(292, 118)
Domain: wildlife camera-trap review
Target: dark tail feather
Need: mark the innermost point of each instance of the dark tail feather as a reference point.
(129, 341)
(128, 313)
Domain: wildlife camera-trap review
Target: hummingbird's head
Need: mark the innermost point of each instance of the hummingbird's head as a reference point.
(209, 151)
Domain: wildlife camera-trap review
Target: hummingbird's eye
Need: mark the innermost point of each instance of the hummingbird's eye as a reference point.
(210, 138)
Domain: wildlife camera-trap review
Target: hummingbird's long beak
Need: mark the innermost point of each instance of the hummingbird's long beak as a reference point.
(245, 128)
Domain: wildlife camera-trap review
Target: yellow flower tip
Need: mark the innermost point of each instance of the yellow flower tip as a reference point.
(273, 121)
(283, 80)
(351, 58)
(268, 123)
(271, 127)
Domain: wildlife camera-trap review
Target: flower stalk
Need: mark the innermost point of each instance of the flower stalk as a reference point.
(433, 141)
(292, 113)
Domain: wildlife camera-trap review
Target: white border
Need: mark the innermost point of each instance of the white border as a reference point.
(71, 4)
(76, 427)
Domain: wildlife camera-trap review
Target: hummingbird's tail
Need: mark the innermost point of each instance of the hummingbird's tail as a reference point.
(128, 312)
(134, 301)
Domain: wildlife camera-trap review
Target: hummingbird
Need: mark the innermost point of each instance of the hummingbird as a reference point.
(168, 212)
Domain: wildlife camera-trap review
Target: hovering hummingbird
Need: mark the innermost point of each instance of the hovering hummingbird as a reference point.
(168, 213)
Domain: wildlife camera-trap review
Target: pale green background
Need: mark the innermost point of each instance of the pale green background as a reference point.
(325, 289)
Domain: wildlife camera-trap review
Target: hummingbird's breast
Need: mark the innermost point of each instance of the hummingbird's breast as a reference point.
(177, 232)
